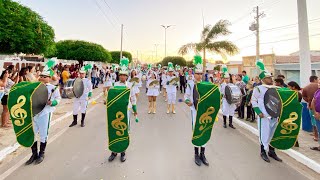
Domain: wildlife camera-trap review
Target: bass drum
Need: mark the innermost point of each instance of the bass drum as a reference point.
(272, 103)
(233, 94)
(74, 88)
(39, 99)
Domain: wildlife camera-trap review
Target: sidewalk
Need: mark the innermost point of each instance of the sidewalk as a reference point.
(305, 142)
(7, 136)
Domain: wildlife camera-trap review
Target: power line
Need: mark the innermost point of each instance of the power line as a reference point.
(105, 15)
(283, 40)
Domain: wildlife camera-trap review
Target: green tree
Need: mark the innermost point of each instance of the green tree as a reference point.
(208, 42)
(81, 51)
(23, 30)
(190, 64)
(175, 60)
(116, 56)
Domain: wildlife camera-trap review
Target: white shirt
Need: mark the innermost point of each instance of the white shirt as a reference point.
(171, 88)
(257, 99)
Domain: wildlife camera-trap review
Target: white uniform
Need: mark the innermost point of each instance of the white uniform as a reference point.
(135, 87)
(152, 90)
(80, 104)
(227, 109)
(164, 80)
(189, 95)
(133, 99)
(171, 90)
(266, 125)
(41, 121)
(190, 78)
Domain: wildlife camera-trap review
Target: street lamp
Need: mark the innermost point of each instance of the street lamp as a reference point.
(165, 38)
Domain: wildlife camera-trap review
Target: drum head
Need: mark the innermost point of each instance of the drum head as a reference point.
(78, 87)
(272, 103)
(39, 99)
(228, 94)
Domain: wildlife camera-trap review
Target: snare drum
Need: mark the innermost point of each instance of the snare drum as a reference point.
(74, 88)
(233, 94)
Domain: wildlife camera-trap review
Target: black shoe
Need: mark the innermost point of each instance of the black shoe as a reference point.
(112, 156)
(197, 159)
(34, 156)
(274, 156)
(252, 120)
(204, 159)
(40, 158)
(264, 156)
(82, 119)
(224, 125)
(74, 122)
(123, 157)
(231, 125)
(41, 153)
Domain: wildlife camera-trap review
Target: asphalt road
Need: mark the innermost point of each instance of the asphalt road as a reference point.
(160, 149)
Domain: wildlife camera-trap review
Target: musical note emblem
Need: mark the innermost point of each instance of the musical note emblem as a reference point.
(18, 113)
(118, 125)
(205, 118)
(288, 125)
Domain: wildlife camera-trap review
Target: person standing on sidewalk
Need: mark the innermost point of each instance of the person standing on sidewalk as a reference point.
(308, 94)
(250, 112)
(41, 121)
(227, 109)
(81, 103)
(267, 125)
(315, 106)
(94, 77)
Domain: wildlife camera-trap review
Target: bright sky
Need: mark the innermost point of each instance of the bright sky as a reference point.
(99, 21)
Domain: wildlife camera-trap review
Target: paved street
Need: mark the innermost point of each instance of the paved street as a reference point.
(160, 149)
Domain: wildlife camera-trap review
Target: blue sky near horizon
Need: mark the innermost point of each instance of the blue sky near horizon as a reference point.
(99, 21)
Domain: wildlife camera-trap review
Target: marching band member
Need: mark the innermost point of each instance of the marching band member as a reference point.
(80, 104)
(164, 84)
(227, 109)
(42, 120)
(123, 76)
(153, 91)
(135, 87)
(191, 99)
(267, 125)
(171, 89)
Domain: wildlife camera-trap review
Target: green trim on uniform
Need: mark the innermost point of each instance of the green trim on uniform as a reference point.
(257, 110)
(90, 94)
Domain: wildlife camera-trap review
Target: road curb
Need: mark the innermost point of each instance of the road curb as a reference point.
(10, 149)
(292, 153)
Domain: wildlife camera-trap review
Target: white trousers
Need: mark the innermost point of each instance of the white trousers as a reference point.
(193, 119)
(41, 126)
(79, 105)
(172, 97)
(266, 126)
(228, 109)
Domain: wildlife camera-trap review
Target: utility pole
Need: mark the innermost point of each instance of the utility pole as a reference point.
(255, 26)
(305, 60)
(121, 40)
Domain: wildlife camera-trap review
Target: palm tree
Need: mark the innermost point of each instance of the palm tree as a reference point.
(208, 36)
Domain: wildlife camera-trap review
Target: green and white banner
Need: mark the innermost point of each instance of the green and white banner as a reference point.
(289, 122)
(207, 111)
(117, 119)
